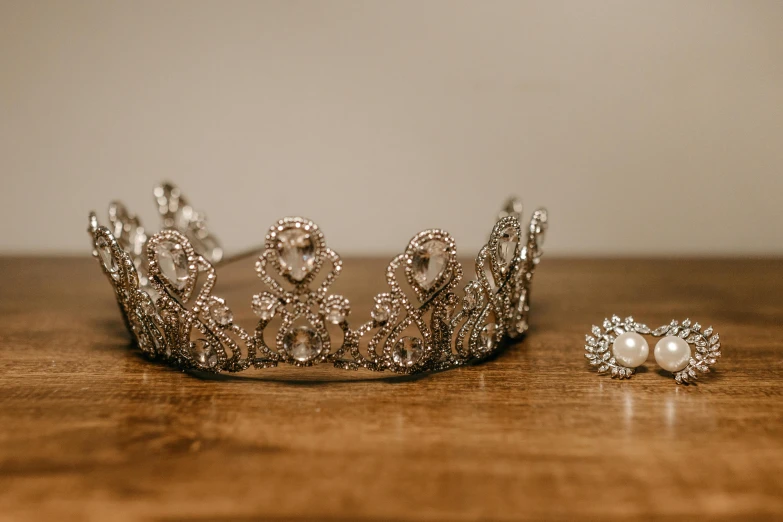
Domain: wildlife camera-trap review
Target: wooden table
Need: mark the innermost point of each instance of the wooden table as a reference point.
(90, 429)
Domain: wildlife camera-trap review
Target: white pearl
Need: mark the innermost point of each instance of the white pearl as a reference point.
(672, 353)
(630, 349)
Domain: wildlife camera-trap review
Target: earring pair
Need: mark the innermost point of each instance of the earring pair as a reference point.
(684, 349)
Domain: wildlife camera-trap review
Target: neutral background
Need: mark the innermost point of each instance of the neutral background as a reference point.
(645, 127)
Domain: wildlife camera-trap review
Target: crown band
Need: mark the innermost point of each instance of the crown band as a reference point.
(164, 282)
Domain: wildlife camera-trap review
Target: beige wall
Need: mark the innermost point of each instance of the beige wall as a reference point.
(644, 127)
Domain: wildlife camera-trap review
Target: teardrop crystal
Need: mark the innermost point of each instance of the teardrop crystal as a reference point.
(296, 252)
(173, 264)
(302, 343)
(507, 246)
(489, 337)
(429, 262)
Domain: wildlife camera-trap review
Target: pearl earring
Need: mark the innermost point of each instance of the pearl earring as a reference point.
(619, 348)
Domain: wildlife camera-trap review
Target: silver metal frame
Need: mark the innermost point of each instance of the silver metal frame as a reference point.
(182, 323)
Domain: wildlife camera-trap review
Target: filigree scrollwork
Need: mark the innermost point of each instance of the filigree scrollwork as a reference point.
(296, 250)
(199, 329)
(130, 235)
(409, 337)
(138, 311)
(517, 322)
(164, 286)
(177, 214)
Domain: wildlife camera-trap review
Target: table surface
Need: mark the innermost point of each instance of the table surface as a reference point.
(90, 429)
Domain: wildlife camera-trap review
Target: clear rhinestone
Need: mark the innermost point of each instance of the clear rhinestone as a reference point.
(183, 216)
(521, 326)
(160, 344)
(489, 336)
(203, 353)
(264, 306)
(103, 248)
(118, 214)
(197, 222)
(137, 328)
(448, 313)
(125, 226)
(335, 315)
(335, 310)
(296, 252)
(173, 264)
(209, 248)
(381, 312)
(429, 263)
(522, 306)
(221, 313)
(302, 343)
(137, 241)
(147, 304)
(148, 335)
(513, 207)
(540, 237)
(407, 351)
(472, 298)
(507, 246)
(144, 342)
(134, 324)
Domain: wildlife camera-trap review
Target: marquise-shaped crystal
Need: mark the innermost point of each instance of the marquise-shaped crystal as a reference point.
(507, 246)
(107, 258)
(540, 237)
(296, 252)
(173, 262)
(429, 262)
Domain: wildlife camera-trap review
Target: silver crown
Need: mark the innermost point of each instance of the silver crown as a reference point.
(164, 282)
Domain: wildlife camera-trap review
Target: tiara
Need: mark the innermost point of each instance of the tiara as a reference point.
(164, 287)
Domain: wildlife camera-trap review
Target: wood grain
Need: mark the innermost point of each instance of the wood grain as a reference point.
(91, 430)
